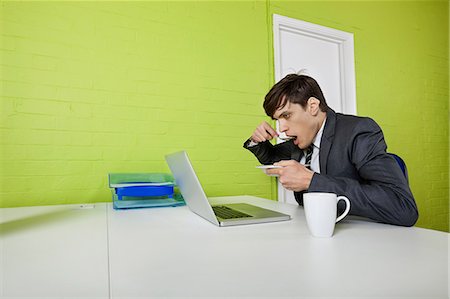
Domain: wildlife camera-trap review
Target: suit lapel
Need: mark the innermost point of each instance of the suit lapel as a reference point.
(327, 140)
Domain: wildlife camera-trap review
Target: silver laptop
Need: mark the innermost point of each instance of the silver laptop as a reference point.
(221, 215)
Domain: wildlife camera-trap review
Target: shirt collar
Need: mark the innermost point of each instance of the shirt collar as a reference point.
(318, 138)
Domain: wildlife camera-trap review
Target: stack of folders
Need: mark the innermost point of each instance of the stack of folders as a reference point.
(143, 190)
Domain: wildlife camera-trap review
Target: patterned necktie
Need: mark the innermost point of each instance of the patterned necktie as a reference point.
(308, 156)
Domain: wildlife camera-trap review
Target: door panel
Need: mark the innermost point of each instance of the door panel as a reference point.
(318, 58)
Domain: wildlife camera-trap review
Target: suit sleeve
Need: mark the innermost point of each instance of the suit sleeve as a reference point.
(382, 193)
(267, 153)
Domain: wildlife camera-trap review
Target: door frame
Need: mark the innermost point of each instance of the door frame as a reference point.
(344, 41)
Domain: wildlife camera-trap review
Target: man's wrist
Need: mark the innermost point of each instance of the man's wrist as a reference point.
(309, 178)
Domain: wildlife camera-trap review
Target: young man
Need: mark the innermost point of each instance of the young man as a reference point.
(343, 154)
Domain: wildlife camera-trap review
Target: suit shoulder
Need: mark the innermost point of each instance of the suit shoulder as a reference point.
(352, 122)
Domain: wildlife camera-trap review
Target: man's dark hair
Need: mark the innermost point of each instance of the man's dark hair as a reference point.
(294, 89)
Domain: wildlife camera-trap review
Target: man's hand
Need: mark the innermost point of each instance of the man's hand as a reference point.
(293, 176)
(263, 133)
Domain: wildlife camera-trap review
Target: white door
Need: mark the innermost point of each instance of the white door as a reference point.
(323, 53)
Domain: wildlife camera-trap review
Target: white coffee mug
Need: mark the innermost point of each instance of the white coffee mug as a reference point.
(321, 210)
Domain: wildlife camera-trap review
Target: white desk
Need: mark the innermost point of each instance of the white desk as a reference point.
(171, 252)
(54, 252)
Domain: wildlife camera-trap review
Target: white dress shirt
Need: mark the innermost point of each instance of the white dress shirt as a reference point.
(315, 166)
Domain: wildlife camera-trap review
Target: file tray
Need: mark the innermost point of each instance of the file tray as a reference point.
(143, 190)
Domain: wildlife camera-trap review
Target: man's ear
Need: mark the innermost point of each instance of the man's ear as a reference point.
(313, 106)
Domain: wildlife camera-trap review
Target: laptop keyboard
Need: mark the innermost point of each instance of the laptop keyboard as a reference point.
(228, 213)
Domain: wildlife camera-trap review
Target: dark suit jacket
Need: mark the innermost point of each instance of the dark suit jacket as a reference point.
(353, 162)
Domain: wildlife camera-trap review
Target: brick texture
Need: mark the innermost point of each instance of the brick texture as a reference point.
(121, 86)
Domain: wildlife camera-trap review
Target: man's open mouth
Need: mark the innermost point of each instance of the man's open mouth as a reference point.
(286, 137)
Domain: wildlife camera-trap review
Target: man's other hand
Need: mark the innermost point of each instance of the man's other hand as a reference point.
(293, 176)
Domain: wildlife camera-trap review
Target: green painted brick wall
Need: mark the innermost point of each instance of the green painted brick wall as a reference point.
(93, 88)
(89, 88)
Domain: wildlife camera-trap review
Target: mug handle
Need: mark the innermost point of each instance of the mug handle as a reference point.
(347, 207)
